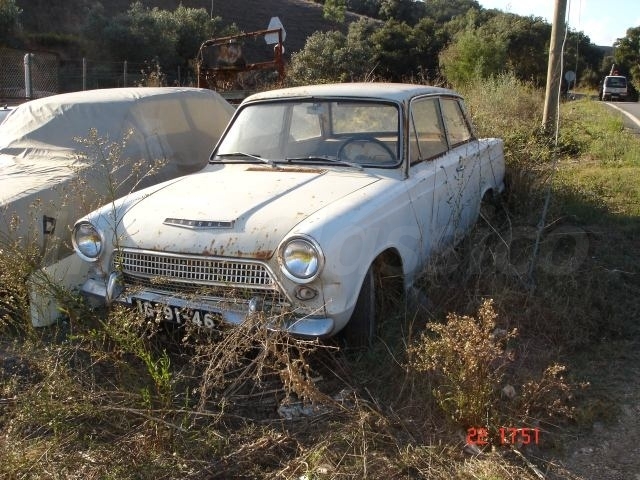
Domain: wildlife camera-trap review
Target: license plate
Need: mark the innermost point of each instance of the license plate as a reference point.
(179, 315)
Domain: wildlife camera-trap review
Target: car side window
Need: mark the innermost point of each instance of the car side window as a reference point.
(426, 133)
(458, 130)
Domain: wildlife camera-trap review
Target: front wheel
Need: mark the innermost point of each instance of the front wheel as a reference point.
(361, 328)
(381, 290)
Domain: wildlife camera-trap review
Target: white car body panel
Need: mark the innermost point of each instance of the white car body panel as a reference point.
(247, 198)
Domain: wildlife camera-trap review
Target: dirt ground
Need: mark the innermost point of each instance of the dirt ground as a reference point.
(610, 450)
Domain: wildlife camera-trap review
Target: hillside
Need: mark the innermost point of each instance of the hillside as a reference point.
(299, 17)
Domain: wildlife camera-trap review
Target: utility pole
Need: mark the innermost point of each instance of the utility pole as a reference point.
(554, 69)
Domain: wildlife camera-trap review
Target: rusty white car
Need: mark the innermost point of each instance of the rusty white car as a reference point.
(313, 197)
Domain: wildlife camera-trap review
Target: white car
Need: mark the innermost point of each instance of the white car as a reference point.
(310, 198)
(49, 177)
(614, 87)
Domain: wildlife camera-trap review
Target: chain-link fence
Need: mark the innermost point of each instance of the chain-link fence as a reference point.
(11, 74)
(86, 74)
(26, 75)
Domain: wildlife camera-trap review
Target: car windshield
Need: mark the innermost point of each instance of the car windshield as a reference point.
(335, 132)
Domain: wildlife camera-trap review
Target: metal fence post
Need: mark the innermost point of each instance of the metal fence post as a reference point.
(125, 74)
(84, 73)
(28, 83)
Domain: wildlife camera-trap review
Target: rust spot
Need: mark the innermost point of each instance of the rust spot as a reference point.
(210, 250)
(262, 254)
(280, 169)
(304, 170)
(258, 254)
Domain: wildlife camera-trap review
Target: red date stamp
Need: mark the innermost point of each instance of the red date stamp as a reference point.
(508, 436)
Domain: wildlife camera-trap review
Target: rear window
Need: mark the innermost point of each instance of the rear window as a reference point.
(616, 82)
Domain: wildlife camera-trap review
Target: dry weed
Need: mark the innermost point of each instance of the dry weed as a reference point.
(468, 357)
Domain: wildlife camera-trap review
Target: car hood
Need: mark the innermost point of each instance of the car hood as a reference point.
(233, 210)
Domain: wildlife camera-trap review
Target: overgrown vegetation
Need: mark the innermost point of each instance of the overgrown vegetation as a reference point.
(432, 41)
(108, 395)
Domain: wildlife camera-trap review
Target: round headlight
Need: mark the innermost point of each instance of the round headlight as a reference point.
(301, 259)
(87, 241)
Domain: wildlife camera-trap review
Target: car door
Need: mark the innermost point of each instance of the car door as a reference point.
(463, 187)
(431, 169)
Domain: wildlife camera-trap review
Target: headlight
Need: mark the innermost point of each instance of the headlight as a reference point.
(87, 241)
(301, 259)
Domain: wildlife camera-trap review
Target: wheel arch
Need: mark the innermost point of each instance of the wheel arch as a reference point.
(383, 276)
(388, 263)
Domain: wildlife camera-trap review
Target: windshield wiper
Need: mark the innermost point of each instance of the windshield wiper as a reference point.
(243, 154)
(323, 158)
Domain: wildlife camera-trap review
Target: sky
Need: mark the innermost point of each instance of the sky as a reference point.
(603, 21)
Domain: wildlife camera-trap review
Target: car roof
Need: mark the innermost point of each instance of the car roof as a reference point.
(115, 95)
(385, 91)
(45, 141)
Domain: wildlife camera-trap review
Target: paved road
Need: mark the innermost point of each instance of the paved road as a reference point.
(631, 112)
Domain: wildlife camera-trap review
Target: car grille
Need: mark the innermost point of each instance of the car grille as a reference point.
(198, 275)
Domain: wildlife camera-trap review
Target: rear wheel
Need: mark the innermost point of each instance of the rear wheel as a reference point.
(492, 208)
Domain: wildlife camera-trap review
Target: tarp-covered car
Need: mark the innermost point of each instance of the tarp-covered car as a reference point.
(312, 196)
(60, 156)
(5, 110)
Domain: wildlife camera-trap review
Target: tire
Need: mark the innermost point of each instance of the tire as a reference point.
(381, 294)
(361, 329)
(492, 209)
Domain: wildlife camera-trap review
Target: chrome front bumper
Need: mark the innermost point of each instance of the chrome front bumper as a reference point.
(100, 293)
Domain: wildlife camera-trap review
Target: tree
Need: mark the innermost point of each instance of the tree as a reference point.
(583, 57)
(627, 55)
(525, 41)
(9, 14)
(395, 50)
(443, 11)
(370, 8)
(192, 26)
(430, 38)
(527, 44)
(473, 54)
(334, 10)
(407, 11)
(143, 35)
(334, 57)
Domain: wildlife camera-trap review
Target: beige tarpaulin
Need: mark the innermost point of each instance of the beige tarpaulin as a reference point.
(59, 155)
